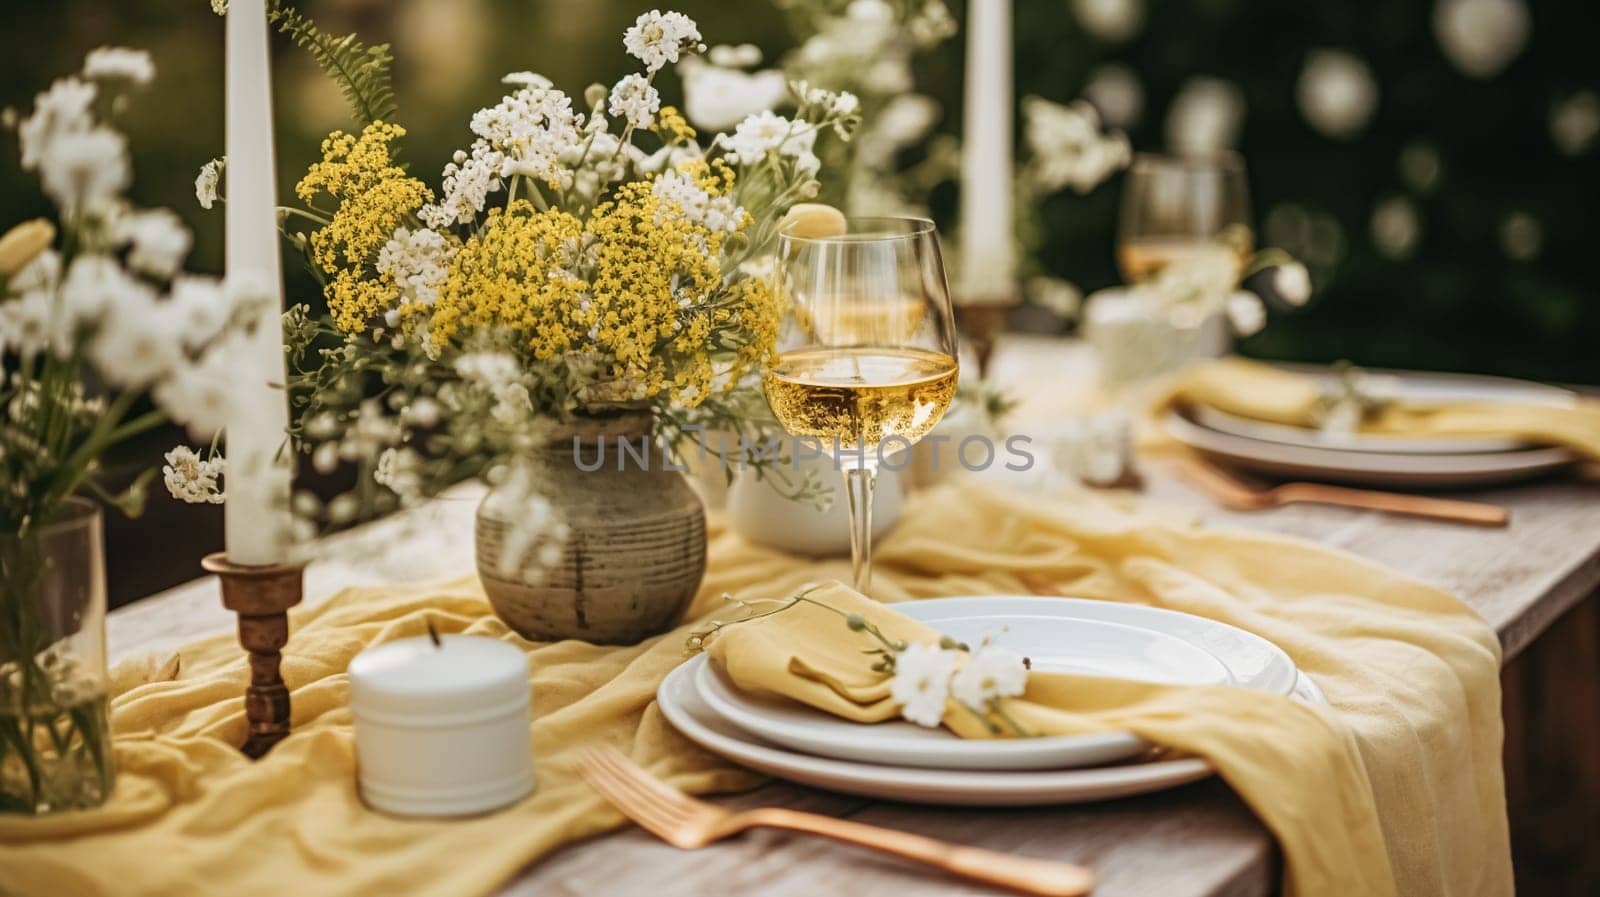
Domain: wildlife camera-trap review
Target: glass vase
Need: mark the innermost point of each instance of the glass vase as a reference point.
(55, 740)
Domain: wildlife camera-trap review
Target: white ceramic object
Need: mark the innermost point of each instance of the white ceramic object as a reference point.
(442, 730)
(1095, 638)
(1391, 469)
(761, 513)
(680, 703)
(1412, 387)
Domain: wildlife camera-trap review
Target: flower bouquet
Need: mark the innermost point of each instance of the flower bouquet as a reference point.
(589, 271)
(92, 328)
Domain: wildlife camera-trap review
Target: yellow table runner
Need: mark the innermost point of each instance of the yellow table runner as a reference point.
(1412, 673)
(1266, 393)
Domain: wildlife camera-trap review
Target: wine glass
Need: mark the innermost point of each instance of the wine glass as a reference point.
(866, 360)
(1176, 208)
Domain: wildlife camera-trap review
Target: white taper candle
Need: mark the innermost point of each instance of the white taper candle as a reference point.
(257, 506)
(988, 263)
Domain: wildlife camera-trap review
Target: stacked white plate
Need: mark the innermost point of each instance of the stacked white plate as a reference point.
(900, 761)
(1301, 452)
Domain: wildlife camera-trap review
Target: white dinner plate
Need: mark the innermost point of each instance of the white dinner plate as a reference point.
(1395, 469)
(1095, 638)
(680, 703)
(1412, 387)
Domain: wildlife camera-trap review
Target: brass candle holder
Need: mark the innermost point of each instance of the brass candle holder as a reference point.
(261, 596)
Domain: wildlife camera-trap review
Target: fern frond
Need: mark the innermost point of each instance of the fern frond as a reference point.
(360, 71)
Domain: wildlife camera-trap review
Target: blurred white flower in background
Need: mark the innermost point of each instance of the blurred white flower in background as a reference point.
(207, 182)
(902, 122)
(1337, 93)
(1205, 117)
(200, 308)
(156, 239)
(1396, 227)
(1246, 312)
(1068, 147)
(83, 171)
(1110, 20)
(534, 537)
(870, 12)
(1061, 297)
(717, 98)
(1292, 282)
(1114, 89)
(1420, 166)
(1481, 37)
(1521, 237)
(62, 109)
(735, 56)
(120, 62)
(1574, 122)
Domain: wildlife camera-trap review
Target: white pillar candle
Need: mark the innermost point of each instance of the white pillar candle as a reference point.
(988, 263)
(257, 506)
(442, 729)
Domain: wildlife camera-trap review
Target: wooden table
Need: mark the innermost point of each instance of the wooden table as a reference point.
(1197, 841)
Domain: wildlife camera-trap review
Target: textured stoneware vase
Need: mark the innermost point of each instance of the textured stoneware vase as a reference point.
(637, 549)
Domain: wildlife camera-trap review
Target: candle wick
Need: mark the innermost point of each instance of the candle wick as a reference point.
(434, 634)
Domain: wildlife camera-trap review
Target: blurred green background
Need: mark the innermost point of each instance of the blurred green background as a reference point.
(1451, 231)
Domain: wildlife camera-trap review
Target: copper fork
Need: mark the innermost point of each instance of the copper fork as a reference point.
(1233, 493)
(685, 822)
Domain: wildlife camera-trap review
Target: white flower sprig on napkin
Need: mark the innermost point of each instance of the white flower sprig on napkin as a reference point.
(923, 678)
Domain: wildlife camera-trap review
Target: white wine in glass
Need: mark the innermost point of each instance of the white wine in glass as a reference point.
(866, 352)
(1177, 209)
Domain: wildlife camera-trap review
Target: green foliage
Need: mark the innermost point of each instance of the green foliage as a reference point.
(362, 72)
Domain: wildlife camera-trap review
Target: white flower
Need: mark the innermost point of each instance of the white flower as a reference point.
(991, 672)
(1336, 93)
(735, 56)
(635, 100)
(208, 180)
(199, 308)
(888, 75)
(1096, 449)
(1292, 282)
(1481, 36)
(1204, 117)
(63, 109)
(191, 478)
(84, 171)
(29, 325)
(1110, 20)
(871, 12)
(397, 470)
(202, 395)
(134, 345)
(418, 261)
(157, 239)
(695, 204)
(490, 369)
(533, 536)
(717, 98)
(527, 79)
(468, 181)
(921, 683)
(758, 135)
(1246, 313)
(656, 38)
(120, 63)
(1068, 148)
(220, 7)
(905, 119)
(830, 102)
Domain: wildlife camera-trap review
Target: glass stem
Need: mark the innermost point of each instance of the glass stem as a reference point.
(858, 485)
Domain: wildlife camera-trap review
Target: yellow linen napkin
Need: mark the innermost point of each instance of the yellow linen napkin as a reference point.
(1412, 674)
(1265, 393)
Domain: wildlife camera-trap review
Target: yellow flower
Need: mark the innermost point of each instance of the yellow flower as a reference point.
(374, 197)
(672, 126)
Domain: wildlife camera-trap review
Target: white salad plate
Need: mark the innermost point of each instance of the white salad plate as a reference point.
(680, 702)
(1406, 470)
(1411, 387)
(1095, 638)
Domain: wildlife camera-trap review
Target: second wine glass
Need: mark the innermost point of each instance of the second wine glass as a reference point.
(866, 352)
